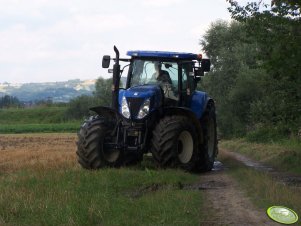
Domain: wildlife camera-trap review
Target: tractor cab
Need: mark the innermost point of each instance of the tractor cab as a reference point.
(171, 76)
(162, 78)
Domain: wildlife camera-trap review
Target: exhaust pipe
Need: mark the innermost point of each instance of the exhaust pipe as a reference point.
(116, 80)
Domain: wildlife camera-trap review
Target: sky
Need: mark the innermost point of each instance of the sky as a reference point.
(59, 40)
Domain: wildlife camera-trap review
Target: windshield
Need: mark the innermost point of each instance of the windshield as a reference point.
(146, 72)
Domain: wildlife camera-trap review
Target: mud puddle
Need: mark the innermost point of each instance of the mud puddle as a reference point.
(218, 166)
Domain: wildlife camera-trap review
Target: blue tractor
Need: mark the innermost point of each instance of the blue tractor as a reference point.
(159, 111)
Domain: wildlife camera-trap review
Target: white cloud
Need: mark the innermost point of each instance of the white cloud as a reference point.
(48, 40)
(161, 3)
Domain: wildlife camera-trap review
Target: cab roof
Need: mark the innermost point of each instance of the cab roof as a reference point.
(162, 54)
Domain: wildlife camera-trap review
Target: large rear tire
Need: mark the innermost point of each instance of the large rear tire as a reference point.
(175, 143)
(90, 151)
(209, 148)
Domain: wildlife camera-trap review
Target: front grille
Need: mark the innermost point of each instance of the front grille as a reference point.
(134, 105)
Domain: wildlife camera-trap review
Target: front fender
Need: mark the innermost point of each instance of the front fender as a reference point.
(107, 112)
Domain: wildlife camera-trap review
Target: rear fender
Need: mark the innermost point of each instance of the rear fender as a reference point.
(199, 103)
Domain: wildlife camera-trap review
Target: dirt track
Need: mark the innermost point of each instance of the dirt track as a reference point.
(227, 203)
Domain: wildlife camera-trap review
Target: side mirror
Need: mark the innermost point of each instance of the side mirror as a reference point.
(106, 61)
(205, 65)
(198, 72)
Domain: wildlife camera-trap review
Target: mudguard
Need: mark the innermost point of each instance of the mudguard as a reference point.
(107, 112)
(199, 103)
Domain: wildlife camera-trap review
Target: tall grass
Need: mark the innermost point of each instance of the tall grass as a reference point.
(271, 134)
(106, 197)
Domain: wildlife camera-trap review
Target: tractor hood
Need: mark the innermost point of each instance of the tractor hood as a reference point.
(137, 95)
(144, 91)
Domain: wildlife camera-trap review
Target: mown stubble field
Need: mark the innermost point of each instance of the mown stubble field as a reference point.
(32, 151)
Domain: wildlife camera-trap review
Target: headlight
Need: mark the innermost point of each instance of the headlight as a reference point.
(144, 109)
(125, 108)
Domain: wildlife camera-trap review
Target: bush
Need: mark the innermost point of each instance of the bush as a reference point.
(269, 134)
(79, 107)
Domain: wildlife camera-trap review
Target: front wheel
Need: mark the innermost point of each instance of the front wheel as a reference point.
(90, 151)
(175, 143)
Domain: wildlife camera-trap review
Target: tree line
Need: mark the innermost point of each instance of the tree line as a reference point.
(256, 75)
(8, 101)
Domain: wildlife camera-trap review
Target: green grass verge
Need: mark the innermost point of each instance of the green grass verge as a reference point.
(40, 128)
(36, 120)
(33, 115)
(105, 197)
(264, 190)
(285, 155)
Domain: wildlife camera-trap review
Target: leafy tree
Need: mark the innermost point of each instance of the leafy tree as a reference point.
(103, 91)
(235, 79)
(276, 28)
(79, 106)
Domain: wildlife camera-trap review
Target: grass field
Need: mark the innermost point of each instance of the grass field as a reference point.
(33, 115)
(36, 120)
(42, 184)
(40, 128)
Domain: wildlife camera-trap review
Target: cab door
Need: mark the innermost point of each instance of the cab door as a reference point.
(187, 87)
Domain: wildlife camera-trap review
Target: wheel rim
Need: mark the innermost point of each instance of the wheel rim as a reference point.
(211, 138)
(185, 147)
(111, 155)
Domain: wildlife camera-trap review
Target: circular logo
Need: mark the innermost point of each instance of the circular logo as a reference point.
(282, 215)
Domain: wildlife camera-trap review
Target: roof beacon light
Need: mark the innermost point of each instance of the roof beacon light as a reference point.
(200, 56)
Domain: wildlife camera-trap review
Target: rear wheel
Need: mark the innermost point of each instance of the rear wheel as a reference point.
(209, 147)
(174, 143)
(90, 151)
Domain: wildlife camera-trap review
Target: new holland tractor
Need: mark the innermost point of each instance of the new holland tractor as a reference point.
(159, 111)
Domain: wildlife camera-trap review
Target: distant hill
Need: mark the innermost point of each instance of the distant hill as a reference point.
(55, 91)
